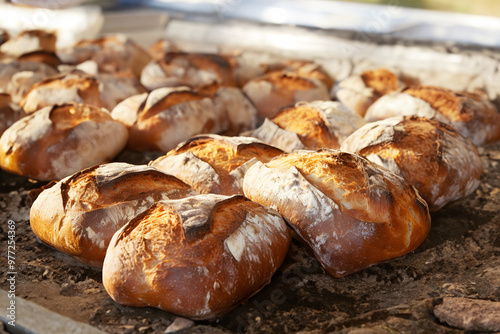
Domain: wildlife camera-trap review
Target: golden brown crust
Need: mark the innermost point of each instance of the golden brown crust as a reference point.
(309, 124)
(79, 214)
(58, 141)
(194, 70)
(432, 156)
(29, 41)
(381, 80)
(275, 90)
(472, 114)
(74, 87)
(350, 211)
(167, 116)
(304, 68)
(198, 257)
(221, 158)
(47, 57)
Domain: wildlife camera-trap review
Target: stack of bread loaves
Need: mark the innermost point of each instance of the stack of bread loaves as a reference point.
(242, 163)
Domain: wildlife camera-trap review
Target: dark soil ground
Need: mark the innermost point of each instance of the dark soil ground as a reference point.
(460, 258)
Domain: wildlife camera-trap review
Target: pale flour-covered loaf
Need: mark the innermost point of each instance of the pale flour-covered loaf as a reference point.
(27, 74)
(188, 69)
(352, 212)
(57, 141)
(309, 125)
(79, 214)
(29, 41)
(215, 164)
(74, 87)
(472, 114)
(358, 92)
(432, 156)
(277, 89)
(167, 116)
(113, 54)
(197, 257)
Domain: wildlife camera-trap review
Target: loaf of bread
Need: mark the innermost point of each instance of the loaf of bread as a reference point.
(277, 89)
(167, 116)
(358, 92)
(188, 69)
(472, 114)
(9, 112)
(197, 257)
(432, 156)
(308, 125)
(115, 53)
(215, 164)
(352, 212)
(303, 68)
(29, 41)
(17, 77)
(161, 47)
(58, 141)
(79, 214)
(74, 87)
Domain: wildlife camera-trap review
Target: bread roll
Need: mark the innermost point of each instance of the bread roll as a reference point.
(79, 214)
(13, 68)
(309, 125)
(215, 164)
(115, 53)
(187, 69)
(472, 114)
(197, 257)
(275, 90)
(29, 41)
(58, 141)
(161, 47)
(352, 213)
(432, 156)
(303, 68)
(358, 92)
(160, 120)
(9, 112)
(74, 87)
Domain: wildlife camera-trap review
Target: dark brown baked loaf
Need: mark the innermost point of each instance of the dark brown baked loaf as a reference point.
(308, 125)
(358, 92)
(188, 69)
(58, 141)
(79, 214)
(472, 114)
(352, 212)
(215, 164)
(274, 90)
(432, 156)
(197, 257)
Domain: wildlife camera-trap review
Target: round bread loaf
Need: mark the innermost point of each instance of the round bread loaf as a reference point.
(74, 87)
(352, 212)
(167, 116)
(432, 156)
(57, 141)
(9, 112)
(79, 214)
(472, 114)
(277, 89)
(309, 125)
(197, 257)
(303, 68)
(29, 41)
(358, 92)
(188, 69)
(9, 69)
(215, 164)
(115, 53)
